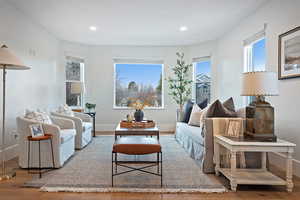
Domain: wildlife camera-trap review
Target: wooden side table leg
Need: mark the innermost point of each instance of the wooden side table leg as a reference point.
(289, 172)
(264, 160)
(217, 158)
(233, 182)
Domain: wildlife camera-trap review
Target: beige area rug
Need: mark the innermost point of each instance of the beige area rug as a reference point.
(89, 170)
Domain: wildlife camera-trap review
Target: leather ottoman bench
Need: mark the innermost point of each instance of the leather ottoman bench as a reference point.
(136, 145)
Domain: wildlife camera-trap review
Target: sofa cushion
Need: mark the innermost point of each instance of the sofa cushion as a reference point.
(193, 132)
(67, 134)
(86, 126)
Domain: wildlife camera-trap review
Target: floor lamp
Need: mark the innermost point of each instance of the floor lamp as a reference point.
(8, 61)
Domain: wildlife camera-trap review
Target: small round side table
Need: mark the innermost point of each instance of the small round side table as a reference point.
(39, 139)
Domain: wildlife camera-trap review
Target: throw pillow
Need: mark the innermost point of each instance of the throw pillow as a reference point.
(203, 104)
(43, 117)
(66, 110)
(187, 111)
(40, 117)
(217, 109)
(195, 116)
(229, 104)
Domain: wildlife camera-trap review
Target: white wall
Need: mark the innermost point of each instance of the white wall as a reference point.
(100, 81)
(34, 88)
(280, 17)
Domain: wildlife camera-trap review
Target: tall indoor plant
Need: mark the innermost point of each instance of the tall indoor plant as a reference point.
(180, 84)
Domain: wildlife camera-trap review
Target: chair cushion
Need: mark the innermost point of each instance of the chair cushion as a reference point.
(86, 126)
(67, 134)
(136, 145)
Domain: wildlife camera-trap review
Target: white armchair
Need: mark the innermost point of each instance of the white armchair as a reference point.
(83, 126)
(63, 132)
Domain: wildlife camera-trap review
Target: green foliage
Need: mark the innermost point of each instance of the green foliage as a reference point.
(159, 86)
(180, 86)
(90, 106)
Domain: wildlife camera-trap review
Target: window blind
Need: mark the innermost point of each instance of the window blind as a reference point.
(256, 36)
(137, 61)
(75, 59)
(201, 59)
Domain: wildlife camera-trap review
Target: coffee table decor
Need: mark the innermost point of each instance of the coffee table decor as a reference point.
(135, 124)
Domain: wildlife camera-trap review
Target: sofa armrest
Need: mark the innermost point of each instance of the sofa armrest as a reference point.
(84, 117)
(213, 126)
(63, 123)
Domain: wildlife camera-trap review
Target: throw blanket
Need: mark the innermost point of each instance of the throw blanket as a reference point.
(219, 128)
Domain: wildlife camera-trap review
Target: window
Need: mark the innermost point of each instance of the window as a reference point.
(74, 81)
(143, 82)
(255, 58)
(202, 79)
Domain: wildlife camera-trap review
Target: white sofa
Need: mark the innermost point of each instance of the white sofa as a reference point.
(63, 132)
(83, 126)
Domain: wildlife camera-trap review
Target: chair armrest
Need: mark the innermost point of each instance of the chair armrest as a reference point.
(63, 123)
(77, 121)
(54, 130)
(84, 117)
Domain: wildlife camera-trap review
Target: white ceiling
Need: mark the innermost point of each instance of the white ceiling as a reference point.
(137, 22)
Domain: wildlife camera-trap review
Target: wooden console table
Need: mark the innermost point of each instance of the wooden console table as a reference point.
(253, 176)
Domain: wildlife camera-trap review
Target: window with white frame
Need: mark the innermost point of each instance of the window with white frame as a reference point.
(138, 80)
(255, 55)
(74, 81)
(202, 79)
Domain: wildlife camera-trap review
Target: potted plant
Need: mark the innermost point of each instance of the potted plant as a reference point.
(180, 84)
(90, 106)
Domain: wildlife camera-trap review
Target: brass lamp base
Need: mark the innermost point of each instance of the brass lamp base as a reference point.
(7, 176)
(260, 121)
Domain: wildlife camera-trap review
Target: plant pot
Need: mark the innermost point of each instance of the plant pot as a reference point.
(179, 115)
(138, 115)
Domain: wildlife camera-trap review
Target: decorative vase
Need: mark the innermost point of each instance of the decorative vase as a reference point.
(138, 115)
(179, 115)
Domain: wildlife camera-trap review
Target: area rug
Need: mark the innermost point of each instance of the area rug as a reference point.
(89, 170)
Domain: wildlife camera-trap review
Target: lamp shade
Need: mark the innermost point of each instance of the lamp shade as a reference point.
(260, 84)
(77, 87)
(10, 61)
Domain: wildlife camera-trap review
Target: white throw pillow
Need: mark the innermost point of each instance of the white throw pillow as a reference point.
(195, 116)
(66, 110)
(40, 117)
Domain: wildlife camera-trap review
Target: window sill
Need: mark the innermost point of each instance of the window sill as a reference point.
(127, 108)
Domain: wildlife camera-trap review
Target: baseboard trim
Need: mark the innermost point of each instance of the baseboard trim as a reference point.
(279, 160)
(111, 127)
(10, 152)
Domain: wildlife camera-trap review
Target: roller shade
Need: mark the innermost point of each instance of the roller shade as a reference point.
(256, 36)
(201, 59)
(137, 61)
(74, 59)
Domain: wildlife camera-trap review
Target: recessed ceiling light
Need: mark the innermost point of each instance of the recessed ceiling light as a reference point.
(93, 28)
(183, 28)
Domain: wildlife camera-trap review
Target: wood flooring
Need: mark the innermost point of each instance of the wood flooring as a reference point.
(13, 190)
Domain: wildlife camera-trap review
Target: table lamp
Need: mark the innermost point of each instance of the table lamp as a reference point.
(260, 114)
(8, 61)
